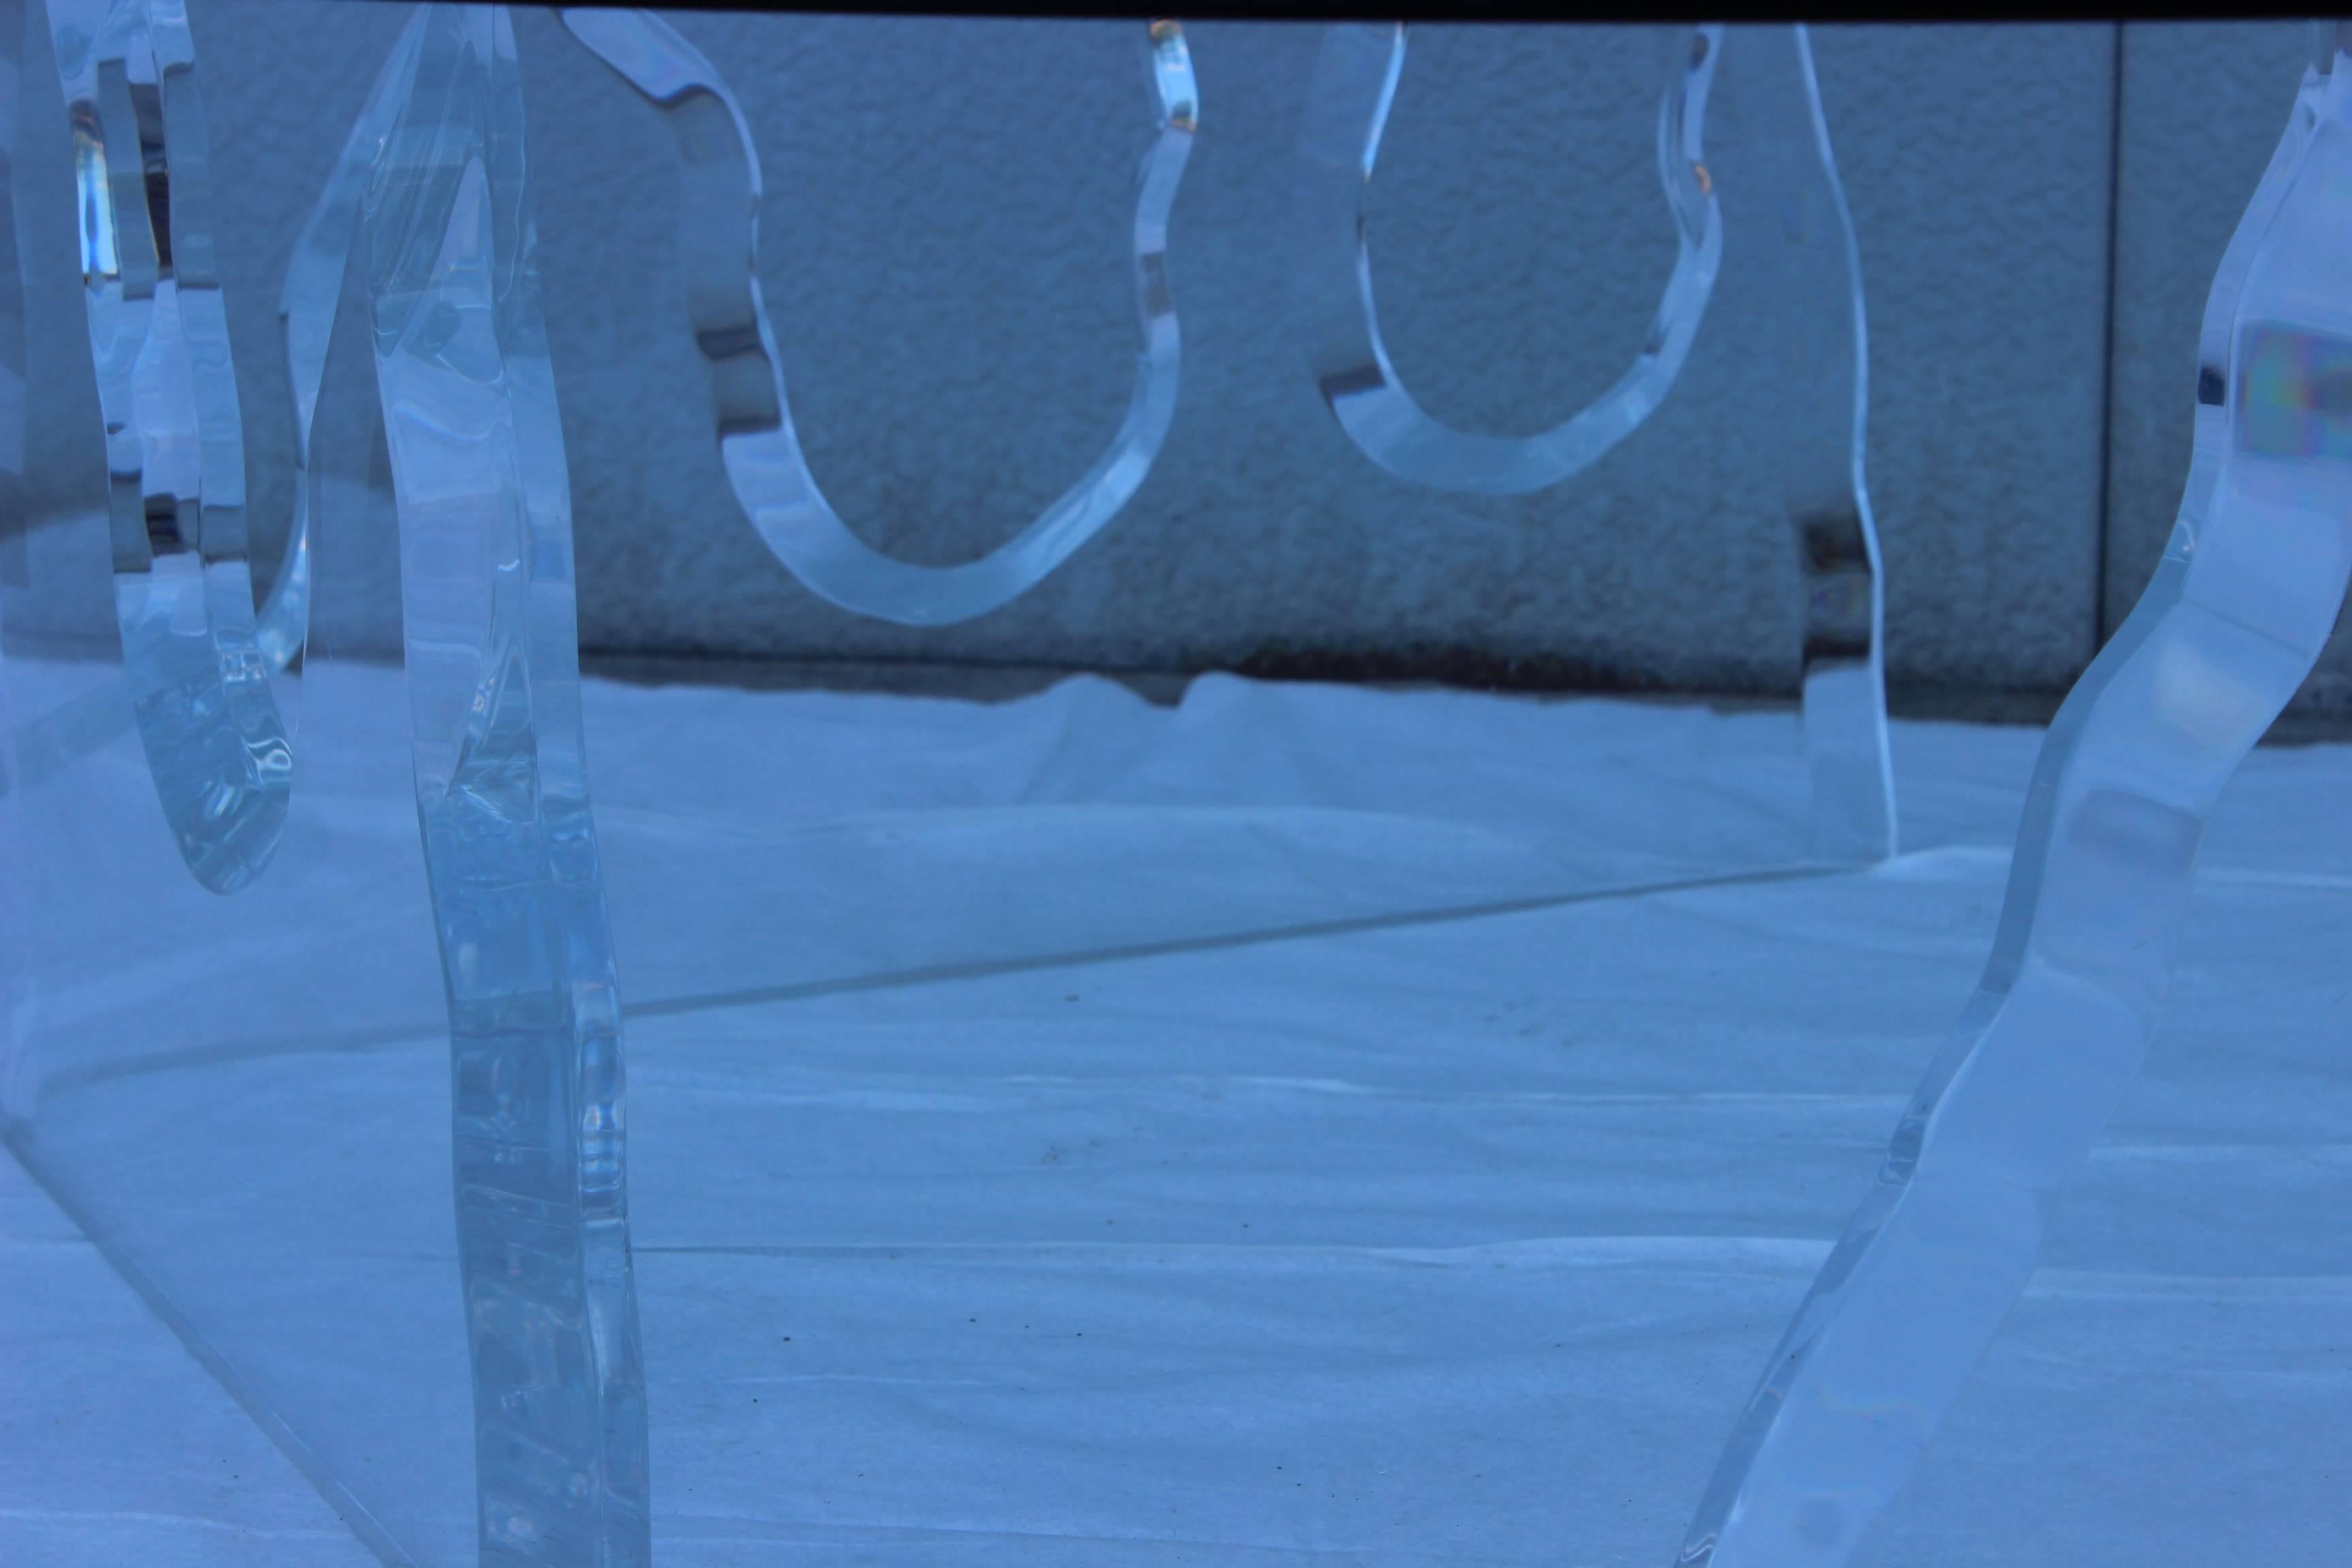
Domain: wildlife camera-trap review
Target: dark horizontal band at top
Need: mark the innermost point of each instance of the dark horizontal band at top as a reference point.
(1599, 12)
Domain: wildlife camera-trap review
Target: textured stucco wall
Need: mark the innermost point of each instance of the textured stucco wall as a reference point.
(944, 234)
(2203, 106)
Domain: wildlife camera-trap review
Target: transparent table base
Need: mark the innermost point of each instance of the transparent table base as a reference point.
(427, 366)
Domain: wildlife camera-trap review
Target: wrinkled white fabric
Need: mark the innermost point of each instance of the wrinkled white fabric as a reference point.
(1008, 1188)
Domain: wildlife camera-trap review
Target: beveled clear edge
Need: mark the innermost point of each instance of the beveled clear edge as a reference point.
(718, 202)
(2245, 598)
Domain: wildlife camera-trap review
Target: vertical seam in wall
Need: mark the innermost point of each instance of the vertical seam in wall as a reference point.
(2107, 344)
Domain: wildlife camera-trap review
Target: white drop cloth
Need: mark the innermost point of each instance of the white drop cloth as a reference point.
(1072, 1133)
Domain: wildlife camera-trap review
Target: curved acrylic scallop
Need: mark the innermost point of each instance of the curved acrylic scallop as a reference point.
(1355, 82)
(1821, 458)
(718, 248)
(214, 742)
(2247, 594)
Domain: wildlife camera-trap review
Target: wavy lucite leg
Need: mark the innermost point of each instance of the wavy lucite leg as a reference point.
(1821, 450)
(214, 740)
(718, 208)
(492, 640)
(2247, 594)
(1347, 101)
